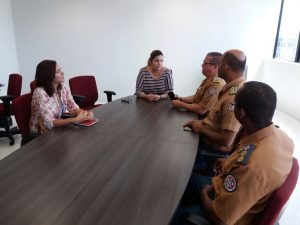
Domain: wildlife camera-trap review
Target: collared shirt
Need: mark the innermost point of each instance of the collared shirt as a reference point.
(264, 171)
(222, 115)
(208, 91)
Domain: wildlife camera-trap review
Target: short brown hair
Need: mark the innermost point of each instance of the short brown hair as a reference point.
(215, 57)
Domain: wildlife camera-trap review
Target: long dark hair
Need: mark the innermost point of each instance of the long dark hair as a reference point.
(153, 55)
(45, 74)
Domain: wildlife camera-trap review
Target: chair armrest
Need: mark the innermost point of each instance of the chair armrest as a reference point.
(7, 98)
(6, 102)
(109, 95)
(197, 220)
(78, 98)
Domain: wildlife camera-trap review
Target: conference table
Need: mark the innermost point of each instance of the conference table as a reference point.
(129, 168)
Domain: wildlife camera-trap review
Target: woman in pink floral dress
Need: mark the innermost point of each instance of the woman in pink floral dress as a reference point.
(51, 99)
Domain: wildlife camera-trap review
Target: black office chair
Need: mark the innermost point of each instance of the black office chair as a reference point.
(6, 111)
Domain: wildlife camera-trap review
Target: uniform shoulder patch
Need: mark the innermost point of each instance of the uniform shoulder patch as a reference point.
(245, 153)
(212, 91)
(230, 183)
(233, 90)
(216, 80)
(231, 107)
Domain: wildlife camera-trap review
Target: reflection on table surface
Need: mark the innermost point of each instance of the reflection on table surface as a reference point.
(129, 168)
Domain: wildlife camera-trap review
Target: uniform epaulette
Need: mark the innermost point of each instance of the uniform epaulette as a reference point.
(245, 153)
(233, 90)
(216, 80)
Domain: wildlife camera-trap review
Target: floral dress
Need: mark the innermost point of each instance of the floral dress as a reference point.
(46, 109)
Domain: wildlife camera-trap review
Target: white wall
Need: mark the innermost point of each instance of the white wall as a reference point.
(283, 77)
(8, 52)
(113, 39)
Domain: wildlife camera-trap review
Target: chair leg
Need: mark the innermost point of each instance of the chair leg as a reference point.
(8, 133)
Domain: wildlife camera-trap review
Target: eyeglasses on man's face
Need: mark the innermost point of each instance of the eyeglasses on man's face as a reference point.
(207, 63)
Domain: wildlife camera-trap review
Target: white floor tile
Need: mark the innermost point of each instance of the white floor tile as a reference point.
(5, 148)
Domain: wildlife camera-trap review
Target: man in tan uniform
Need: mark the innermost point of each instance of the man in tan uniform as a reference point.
(261, 162)
(218, 130)
(207, 93)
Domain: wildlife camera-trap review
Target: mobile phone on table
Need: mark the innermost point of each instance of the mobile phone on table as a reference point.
(187, 128)
(171, 95)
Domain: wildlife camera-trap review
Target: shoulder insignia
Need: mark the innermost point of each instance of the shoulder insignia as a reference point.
(230, 183)
(231, 107)
(245, 153)
(216, 80)
(233, 90)
(212, 91)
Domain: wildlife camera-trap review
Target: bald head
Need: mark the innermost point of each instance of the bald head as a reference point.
(235, 59)
(240, 55)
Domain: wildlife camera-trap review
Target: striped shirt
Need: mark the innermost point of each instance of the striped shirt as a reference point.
(147, 84)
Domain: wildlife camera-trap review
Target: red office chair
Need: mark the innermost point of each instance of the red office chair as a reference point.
(13, 91)
(275, 205)
(33, 86)
(280, 197)
(22, 110)
(85, 92)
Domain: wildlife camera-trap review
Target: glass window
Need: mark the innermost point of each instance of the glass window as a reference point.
(289, 28)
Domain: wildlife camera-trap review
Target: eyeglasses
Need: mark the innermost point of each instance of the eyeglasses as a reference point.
(207, 63)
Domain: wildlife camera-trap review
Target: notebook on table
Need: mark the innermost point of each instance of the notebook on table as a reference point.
(88, 123)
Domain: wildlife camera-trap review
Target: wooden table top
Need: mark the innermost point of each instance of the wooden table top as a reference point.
(129, 168)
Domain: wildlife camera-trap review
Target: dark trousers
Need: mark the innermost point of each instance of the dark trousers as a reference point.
(191, 201)
(206, 162)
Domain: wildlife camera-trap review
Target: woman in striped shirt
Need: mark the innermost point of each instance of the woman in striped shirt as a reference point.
(154, 80)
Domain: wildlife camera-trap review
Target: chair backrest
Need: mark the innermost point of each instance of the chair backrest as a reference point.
(22, 110)
(33, 86)
(85, 86)
(14, 85)
(280, 197)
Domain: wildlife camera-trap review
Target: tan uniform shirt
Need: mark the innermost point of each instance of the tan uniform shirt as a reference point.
(258, 166)
(222, 115)
(208, 91)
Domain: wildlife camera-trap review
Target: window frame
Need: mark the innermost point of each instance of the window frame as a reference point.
(297, 55)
